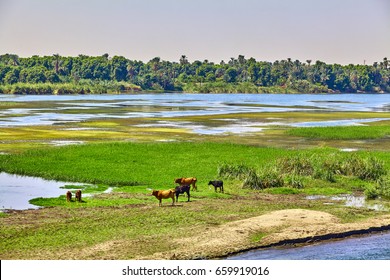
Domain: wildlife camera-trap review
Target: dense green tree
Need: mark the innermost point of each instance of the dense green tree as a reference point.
(119, 68)
(239, 74)
(230, 75)
(12, 76)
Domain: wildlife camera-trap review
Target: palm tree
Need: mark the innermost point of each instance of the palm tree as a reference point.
(56, 62)
(183, 60)
(385, 62)
(13, 59)
(155, 63)
(241, 59)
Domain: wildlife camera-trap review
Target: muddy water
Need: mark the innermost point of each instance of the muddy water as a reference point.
(16, 191)
(373, 247)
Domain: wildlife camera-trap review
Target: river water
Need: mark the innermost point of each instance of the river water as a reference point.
(16, 191)
(177, 104)
(373, 247)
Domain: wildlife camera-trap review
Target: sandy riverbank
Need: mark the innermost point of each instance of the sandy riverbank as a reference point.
(280, 227)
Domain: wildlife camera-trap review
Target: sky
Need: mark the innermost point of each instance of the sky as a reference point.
(333, 31)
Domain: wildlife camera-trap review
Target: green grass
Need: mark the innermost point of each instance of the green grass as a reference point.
(156, 165)
(120, 164)
(341, 133)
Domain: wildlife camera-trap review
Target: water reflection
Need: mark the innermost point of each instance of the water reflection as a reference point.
(54, 109)
(16, 191)
(351, 201)
(374, 247)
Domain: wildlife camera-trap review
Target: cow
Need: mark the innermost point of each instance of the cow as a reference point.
(68, 196)
(217, 184)
(160, 195)
(181, 190)
(78, 196)
(187, 181)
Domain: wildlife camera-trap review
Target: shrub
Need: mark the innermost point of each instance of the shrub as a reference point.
(252, 181)
(297, 165)
(268, 179)
(271, 179)
(372, 169)
(371, 192)
(234, 171)
(325, 174)
(383, 186)
(294, 181)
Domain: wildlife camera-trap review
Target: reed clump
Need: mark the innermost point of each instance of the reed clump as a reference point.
(294, 170)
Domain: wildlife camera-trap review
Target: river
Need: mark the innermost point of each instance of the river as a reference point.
(55, 109)
(372, 247)
(16, 191)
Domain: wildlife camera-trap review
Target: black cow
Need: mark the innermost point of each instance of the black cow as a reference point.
(181, 190)
(217, 184)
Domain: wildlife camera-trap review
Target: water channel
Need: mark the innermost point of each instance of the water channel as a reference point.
(372, 247)
(16, 191)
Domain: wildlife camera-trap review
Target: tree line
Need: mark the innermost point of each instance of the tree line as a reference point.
(235, 75)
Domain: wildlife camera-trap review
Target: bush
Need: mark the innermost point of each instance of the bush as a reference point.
(380, 189)
(294, 181)
(372, 169)
(325, 174)
(297, 165)
(371, 192)
(231, 171)
(268, 179)
(271, 179)
(252, 181)
(367, 169)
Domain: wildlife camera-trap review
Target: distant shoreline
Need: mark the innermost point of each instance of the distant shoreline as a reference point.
(123, 88)
(103, 74)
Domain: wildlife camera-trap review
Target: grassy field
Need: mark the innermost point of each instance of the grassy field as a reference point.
(344, 133)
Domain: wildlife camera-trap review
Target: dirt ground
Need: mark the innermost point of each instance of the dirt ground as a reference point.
(294, 225)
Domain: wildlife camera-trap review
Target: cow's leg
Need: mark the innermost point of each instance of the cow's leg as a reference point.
(188, 195)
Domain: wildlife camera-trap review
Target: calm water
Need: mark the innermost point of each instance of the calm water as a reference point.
(373, 247)
(151, 105)
(16, 191)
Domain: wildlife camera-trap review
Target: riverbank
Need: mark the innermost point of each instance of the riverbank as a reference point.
(201, 241)
(292, 226)
(113, 87)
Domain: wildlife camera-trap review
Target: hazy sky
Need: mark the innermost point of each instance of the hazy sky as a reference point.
(334, 31)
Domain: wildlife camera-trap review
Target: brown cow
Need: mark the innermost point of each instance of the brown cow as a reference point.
(187, 181)
(78, 196)
(164, 195)
(68, 196)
